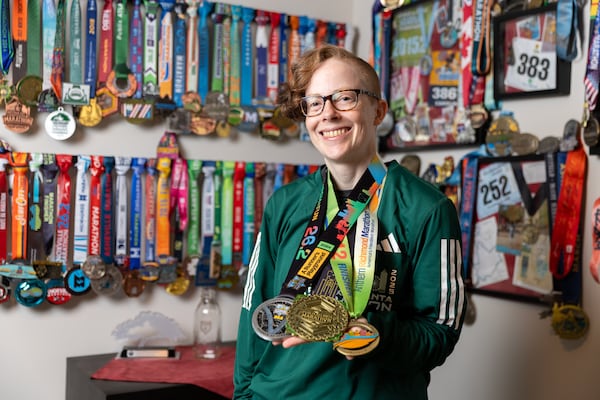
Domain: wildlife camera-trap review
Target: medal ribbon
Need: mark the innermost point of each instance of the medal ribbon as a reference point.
(138, 165)
(481, 61)
(227, 213)
(283, 49)
(234, 68)
(309, 36)
(121, 70)
(76, 56)
(19, 204)
(316, 248)
(204, 49)
(273, 58)
(95, 214)
(106, 228)
(216, 83)
(165, 51)
(239, 176)
(49, 172)
(122, 166)
(566, 226)
(215, 246)
(33, 47)
(6, 42)
(207, 224)
(321, 37)
(19, 36)
(179, 191)
(226, 45)
(247, 68)
(3, 211)
(58, 53)
(136, 58)
(193, 239)
(260, 171)
(82, 211)
(191, 78)
(163, 225)
(151, 32)
(90, 47)
(48, 32)
(36, 206)
(356, 279)
(179, 68)
(279, 172)
(340, 35)
(269, 182)
(249, 210)
(261, 42)
(592, 76)
(150, 211)
(61, 249)
(294, 44)
(105, 62)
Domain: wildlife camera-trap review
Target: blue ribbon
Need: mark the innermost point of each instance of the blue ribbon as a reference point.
(138, 166)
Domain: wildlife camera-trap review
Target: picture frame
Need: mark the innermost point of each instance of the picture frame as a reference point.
(424, 76)
(525, 60)
(511, 228)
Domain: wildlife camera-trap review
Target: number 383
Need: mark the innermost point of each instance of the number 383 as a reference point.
(533, 66)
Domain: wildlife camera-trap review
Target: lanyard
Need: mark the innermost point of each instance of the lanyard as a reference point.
(121, 81)
(193, 240)
(136, 57)
(215, 248)
(58, 53)
(138, 165)
(105, 63)
(163, 225)
(294, 44)
(76, 56)
(96, 170)
(193, 47)
(179, 67)
(122, 166)
(234, 67)
(106, 222)
(36, 207)
(82, 210)
(239, 176)
(283, 48)
(249, 211)
(48, 32)
(261, 53)
(49, 173)
(204, 49)
(90, 47)
(592, 75)
(179, 191)
(19, 37)
(226, 223)
(6, 42)
(273, 57)
(247, 67)
(19, 204)
(260, 171)
(165, 50)
(3, 211)
(61, 250)
(218, 16)
(481, 61)
(33, 47)
(151, 35)
(207, 227)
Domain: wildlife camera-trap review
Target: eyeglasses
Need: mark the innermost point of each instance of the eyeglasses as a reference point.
(341, 100)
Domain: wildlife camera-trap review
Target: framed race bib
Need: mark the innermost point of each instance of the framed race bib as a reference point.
(525, 59)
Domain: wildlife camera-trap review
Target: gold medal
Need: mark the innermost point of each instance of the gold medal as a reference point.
(181, 284)
(29, 89)
(90, 115)
(359, 338)
(317, 318)
(569, 321)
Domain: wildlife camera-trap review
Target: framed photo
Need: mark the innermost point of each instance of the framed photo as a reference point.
(511, 230)
(424, 74)
(525, 59)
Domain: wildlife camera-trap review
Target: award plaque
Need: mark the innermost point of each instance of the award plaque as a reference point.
(317, 318)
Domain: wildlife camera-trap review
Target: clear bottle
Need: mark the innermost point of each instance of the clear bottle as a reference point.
(207, 325)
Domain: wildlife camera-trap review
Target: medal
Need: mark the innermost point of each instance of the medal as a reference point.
(76, 282)
(29, 89)
(570, 135)
(549, 144)
(269, 318)
(317, 318)
(30, 292)
(4, 289)
(90, 115)
(110, 283)
(569, 321)
(133, 284)
(524, 143)
(17, 117)
(500, 134)
(47, 101)
(201, 124)
(6, 91)
(60, 125)
(181, 283)
(93, 267)
(149, 271)
(591, 130)
(107, 101)
(56, 292)
(359, 338)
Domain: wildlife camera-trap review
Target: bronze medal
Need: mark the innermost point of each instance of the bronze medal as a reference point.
(591, 130)
(202, 124)
(133, 284)
(90, 115)
(317, 318)
(17, 117)
(359, 338)
(29, 89)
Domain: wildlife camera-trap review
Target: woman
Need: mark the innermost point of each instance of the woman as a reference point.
(391, 258)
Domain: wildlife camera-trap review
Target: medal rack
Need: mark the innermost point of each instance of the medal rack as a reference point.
(199, 231)
(204, 68)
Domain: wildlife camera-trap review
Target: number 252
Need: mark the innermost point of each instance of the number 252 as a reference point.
(495, 189)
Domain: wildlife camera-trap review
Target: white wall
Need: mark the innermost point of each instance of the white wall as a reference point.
(508, 354)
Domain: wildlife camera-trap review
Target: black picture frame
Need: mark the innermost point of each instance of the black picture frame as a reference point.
(525, 60)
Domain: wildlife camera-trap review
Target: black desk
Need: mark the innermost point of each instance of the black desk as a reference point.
(81, 387)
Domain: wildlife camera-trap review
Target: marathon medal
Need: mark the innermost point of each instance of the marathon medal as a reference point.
(317, 318)
(76, 282)
(269, 318)
(60, 125)
(359, 338)
(17, 117)
(110, 283)
(28, 90)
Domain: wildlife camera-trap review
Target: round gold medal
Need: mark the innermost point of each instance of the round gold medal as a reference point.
(359, 338)
(29, 89)
(317, 318)
(90, 115)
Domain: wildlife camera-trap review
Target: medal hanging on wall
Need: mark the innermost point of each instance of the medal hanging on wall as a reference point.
(91, 114)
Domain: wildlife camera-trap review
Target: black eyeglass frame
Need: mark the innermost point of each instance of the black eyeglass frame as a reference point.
(330, 98)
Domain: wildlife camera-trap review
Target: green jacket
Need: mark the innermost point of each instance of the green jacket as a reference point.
(417, 302)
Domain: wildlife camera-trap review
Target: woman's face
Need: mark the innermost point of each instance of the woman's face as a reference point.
(343, 136)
